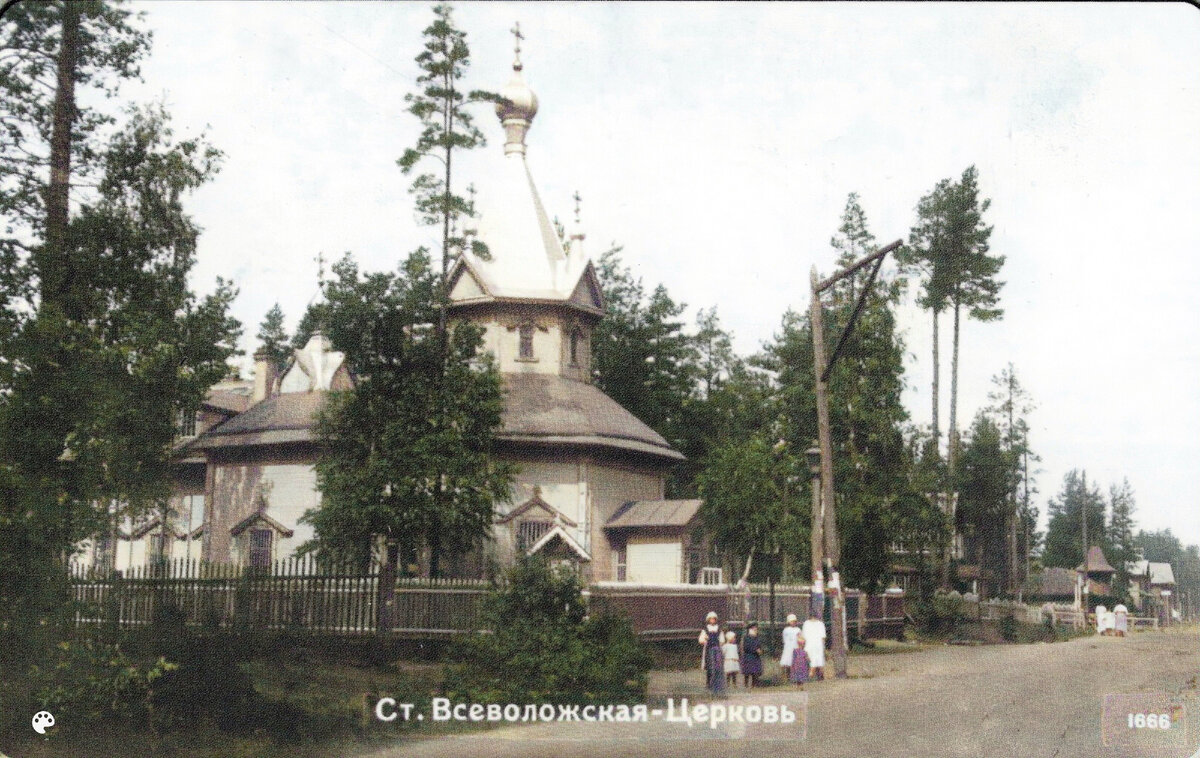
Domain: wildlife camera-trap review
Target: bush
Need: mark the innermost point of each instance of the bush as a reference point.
(941, 614)
(1008, 628)
(205, 683)
(85, 682)
(543, 648)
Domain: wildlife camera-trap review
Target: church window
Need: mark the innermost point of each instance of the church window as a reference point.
(260, 548)
(575, 339)
(525, 337)
(186, 423)
(529, 532)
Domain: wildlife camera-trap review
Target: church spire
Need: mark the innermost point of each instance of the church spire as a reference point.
(518, 104)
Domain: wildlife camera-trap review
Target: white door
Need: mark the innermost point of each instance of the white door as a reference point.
(654, 560)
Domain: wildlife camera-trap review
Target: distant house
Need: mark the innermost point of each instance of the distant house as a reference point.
(1053, 585)
(1063, 585)
(1099, 572)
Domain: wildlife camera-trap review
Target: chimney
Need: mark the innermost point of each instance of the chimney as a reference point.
(264, 376)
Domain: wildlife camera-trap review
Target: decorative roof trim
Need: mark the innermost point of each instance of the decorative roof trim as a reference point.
(536, 502)
(561, 534)
(153, 524)
(250, 520)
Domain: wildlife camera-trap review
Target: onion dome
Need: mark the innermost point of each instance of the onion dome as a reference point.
(518, 104)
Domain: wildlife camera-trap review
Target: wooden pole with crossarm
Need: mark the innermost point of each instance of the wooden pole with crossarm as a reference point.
(826, 520)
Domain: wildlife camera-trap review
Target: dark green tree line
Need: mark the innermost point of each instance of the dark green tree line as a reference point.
(108, 344)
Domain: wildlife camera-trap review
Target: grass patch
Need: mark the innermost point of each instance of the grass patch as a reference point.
(306, 705)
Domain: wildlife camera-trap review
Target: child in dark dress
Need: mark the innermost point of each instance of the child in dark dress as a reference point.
(752, 666)
(799, 672)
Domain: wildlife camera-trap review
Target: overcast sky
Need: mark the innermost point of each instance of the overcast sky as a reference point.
(718, 142)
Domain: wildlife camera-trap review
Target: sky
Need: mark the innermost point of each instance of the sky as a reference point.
(718, 142)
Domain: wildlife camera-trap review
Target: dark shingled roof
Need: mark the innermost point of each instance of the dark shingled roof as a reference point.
(1055, 582)
(649, 513)
(235, 402)
(282, 418)
(548, 408)
(538, 409)
(1096, 561)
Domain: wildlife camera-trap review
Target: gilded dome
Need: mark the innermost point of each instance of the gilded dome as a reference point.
(518, 102)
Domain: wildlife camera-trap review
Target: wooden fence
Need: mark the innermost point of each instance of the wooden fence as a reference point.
(676, 612)
(1056, 614)
(295, 594)
(304, 595)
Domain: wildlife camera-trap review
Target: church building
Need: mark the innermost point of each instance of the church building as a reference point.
(591, 476)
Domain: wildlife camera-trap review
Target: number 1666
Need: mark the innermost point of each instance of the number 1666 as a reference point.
(1149, 721)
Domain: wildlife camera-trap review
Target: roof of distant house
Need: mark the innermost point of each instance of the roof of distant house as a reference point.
(1161, 573)
(1055, 582)
(1096, 562)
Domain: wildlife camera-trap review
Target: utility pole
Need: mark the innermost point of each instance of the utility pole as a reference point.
(829, 545)
(1083, 516)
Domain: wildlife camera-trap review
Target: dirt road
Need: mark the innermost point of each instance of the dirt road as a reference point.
(1015, 700)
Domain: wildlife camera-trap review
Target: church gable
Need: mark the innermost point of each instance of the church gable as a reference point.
(587, 292)
(465, 284)
(536, 509)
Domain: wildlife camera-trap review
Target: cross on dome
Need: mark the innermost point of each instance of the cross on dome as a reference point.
(517, 37)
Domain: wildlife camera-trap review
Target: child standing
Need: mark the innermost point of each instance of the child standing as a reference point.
(752, 666)
(730, 651)
(799, 671)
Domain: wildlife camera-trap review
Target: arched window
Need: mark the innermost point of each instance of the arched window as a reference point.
(576, 338)
(525, 337)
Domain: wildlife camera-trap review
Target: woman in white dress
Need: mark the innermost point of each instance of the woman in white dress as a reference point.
(791, 637)
(813, 632)
(1121, 620)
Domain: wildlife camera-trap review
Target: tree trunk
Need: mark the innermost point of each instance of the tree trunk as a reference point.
(53, 257)
(952, 438)
(936, 370)
(386, 592)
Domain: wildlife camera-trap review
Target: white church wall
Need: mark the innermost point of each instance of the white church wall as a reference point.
(613, 485)
(289, 486)
(293, 490)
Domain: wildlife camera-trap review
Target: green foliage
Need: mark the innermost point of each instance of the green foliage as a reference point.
(1008, 627)
(446, 126)
(110, 50)
(408, 453)
(206, 682)
(744, 511)
(273, 338)
(985, 483)
(872, 462)
(88, 414)
(1121, 536)
(941, 615)
(543, 648)
(948, 248)
(641, 356)
(1064, 538)
(85, 683)
(1010, 408)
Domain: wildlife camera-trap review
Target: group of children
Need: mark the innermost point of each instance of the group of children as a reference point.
(803, 653)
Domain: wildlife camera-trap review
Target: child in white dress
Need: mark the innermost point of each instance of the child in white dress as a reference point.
(730, 651)
(791, 640)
